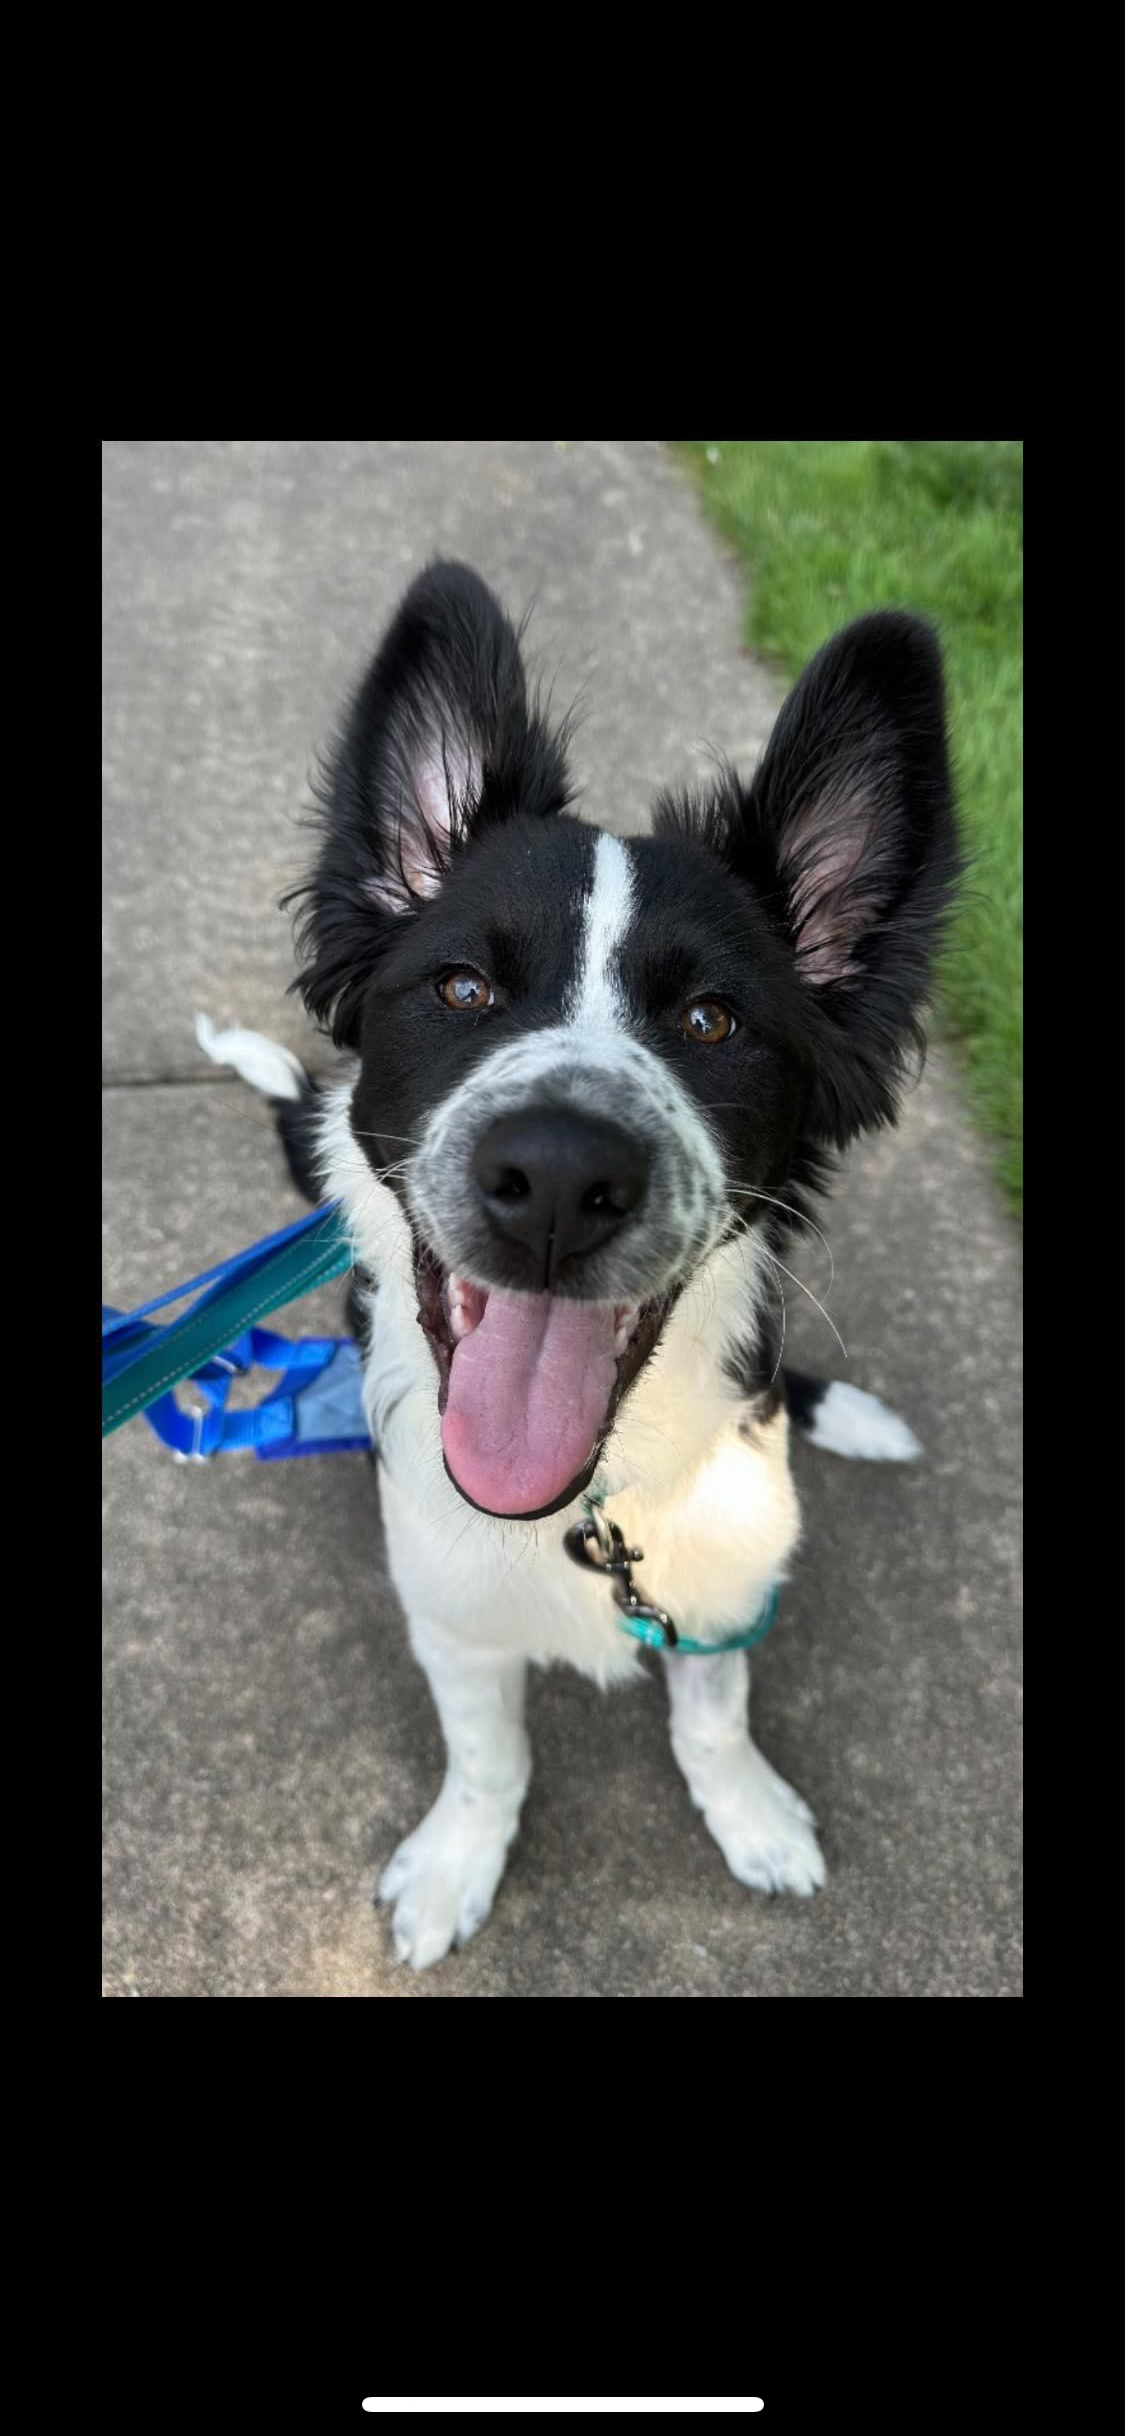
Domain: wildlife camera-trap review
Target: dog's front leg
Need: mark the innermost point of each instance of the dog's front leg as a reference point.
(763, 1829)
(443, 1878)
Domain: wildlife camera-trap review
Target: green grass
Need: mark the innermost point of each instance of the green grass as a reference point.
(832, 528)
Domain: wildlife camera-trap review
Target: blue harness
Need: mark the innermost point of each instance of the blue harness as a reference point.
(317, 1409)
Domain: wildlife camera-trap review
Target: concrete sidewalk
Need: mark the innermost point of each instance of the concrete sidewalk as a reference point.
(269, 1737)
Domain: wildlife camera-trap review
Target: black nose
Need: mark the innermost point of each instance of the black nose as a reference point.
(558, 1183)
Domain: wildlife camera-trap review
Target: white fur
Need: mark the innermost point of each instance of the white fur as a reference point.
(765, 1832)
(596, 1003)
(703, 1488)
(692, 1475)
(688, 1180)
(259, 1061)
(850, 1422)
(443, 1877)
(592, 1061)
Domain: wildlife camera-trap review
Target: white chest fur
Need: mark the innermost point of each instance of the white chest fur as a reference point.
(690, 1475)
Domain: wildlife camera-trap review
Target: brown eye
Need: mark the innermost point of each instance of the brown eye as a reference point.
(466, 991)
(707, 1020)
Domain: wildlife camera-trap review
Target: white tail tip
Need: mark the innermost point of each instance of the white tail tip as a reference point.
(849, 1422)
(261, 1062)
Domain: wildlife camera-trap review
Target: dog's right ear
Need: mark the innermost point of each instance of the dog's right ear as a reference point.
(440, 742)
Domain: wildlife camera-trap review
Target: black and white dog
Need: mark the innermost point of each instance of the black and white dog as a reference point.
(592, 1084)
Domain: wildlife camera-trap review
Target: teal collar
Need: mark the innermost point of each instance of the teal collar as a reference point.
(598, 1544)
(654, 1636)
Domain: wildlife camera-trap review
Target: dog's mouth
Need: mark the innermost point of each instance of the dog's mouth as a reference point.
(528, 1385)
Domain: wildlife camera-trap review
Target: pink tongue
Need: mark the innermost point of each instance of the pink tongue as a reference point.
(528, 1393)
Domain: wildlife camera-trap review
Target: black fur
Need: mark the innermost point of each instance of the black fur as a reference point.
(752, 1364)
(816, 894)
(297, 1122)
(809, 900)
(846, 837)
(804, 1397)
(449, 666)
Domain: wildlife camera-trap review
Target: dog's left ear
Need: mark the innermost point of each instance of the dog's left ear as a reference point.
(848, 835)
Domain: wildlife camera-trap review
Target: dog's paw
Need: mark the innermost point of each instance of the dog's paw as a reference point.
(442, 1886)
(766, 1835)
(785, 1793)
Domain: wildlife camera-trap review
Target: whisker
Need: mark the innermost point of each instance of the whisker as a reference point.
(374, 1177)
(798, 1281)
(528, 1547)
(799, 1215)
(781, 1347)
(455, 1542)
(364, 1134)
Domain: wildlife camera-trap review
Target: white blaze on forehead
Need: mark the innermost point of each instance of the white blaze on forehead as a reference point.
(596, 1000)
(589, 1058)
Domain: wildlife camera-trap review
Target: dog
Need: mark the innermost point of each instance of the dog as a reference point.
(593, 1087)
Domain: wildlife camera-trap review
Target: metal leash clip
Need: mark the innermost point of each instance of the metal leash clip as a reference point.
(599, 1545)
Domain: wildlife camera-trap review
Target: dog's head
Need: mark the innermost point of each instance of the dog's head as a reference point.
(584, 1059)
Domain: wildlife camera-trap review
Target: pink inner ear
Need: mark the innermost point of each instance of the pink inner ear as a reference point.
(446, 775)
(834, 865)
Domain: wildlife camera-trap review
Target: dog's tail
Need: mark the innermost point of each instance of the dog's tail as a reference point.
(297, 1099)
(280, 1077)
(845, 1420)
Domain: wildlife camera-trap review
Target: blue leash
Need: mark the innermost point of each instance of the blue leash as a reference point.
(318, 1407)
